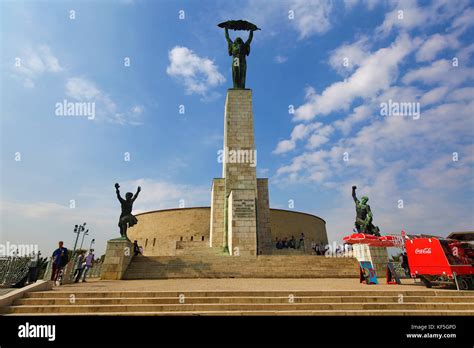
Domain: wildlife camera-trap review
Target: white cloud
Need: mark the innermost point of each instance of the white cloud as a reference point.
(311, 16)
(280, 59)
(465, 53)
(35, 62)
(435, 44)
(347, 57)
(407, 15)
(370, 4)
(299, 132)
(50, 61)
(374, 146)
(35, 210)
(284, 146)
(440, 71)
(434, 96)
(82, 89)
(377, 72)
(157, 195)
(198, 74)
(399, 94)
(462, 94)
(359, 114)
(137, 109)
(463, 21)
(320, 137)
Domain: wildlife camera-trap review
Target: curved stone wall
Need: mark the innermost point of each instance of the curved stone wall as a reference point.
(287, 223)
(158, 231)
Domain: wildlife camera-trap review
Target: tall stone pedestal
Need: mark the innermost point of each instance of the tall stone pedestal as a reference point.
(239, 204)
(118, 256)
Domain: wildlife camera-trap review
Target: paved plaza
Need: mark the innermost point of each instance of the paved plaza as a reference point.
(238, 284)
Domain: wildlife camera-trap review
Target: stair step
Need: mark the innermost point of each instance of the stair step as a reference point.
(239, 293)
(250, 302)
(274, 313)
(237, 306)
(232, 299)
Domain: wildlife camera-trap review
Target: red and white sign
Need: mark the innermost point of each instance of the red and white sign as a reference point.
(424, 251)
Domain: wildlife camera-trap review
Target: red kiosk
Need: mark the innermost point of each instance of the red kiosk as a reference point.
(434, 260)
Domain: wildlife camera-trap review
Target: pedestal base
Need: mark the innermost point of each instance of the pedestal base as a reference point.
(377, 255)
(118, 256)
(242, 223)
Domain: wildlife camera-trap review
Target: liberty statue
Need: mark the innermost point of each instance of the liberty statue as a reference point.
(239, 50)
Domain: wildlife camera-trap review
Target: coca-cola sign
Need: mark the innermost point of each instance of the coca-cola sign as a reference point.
(423, 251)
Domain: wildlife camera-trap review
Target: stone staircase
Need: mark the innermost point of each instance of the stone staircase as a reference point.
(226, 266)
(198, 248)
(289, 251)
(319, 302)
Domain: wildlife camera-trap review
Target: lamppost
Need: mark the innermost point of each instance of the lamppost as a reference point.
(92, 242)
(86, 233)
(78, 229)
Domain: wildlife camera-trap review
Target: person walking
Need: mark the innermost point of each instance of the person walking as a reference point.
(79, 267)
(136, 248)
(60, 259)
(88, 264)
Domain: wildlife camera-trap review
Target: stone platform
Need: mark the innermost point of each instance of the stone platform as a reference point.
(226, 266)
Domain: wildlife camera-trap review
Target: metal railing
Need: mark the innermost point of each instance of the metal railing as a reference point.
(13, 269)
(94, 272)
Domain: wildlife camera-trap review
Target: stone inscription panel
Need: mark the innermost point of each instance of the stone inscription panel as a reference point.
(244, 208)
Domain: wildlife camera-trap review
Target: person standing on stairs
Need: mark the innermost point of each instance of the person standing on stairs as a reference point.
(301, 243)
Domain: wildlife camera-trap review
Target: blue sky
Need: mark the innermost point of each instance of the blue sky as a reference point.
(334, 62)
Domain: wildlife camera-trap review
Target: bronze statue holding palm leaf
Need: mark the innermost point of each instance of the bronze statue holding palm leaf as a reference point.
(238, 49)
